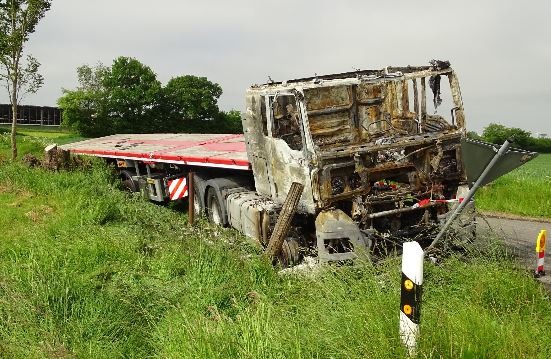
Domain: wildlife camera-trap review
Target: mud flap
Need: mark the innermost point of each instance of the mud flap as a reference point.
(339, 238)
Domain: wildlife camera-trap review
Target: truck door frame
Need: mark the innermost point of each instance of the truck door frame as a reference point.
(297, 161)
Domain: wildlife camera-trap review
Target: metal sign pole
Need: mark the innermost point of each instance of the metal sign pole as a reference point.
(471, 193)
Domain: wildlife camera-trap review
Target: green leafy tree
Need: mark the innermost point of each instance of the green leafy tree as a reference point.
(122, 98)
(132, 96)
(127, 97)
(473, 135)
(496, 133)
(541, 145)
(230, 122)
(84, 108)
(18, 20)
(191, 103)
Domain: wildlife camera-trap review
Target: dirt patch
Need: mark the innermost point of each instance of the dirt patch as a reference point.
(22, 196)
(40, 213)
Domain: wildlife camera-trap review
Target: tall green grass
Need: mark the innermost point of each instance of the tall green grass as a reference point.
(89, 271)
(33, 140)
(525, 191)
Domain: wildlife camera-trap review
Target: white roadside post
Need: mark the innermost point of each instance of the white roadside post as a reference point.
(410, 300)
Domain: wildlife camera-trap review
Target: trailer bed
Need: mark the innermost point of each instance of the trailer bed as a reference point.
(207, 150)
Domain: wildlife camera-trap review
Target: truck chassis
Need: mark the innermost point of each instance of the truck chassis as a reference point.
(376, 163)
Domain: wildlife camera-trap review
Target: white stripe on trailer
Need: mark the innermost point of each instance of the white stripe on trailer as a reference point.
(181, 187)
(199, 164)
(173, 185)
(177, 188)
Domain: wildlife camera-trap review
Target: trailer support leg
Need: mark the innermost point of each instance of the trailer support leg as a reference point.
(191, 199)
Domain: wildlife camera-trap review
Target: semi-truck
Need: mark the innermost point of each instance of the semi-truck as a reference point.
(378, 153)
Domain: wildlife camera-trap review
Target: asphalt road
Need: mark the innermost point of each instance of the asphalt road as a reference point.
(520, 236)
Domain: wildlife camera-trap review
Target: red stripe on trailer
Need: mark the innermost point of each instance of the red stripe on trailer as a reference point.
(152, 156)
(177, 188)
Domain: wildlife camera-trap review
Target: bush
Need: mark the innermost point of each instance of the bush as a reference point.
(496, 133)
(128, 98)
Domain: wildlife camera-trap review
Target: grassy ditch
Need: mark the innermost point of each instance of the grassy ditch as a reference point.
(33, 140)
(525, 191)
(89, 271)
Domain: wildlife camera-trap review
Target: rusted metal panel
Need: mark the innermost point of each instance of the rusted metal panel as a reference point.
(373, 157)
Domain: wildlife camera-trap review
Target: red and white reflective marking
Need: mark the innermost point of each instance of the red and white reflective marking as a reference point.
(177, 188)
(540, 250)
(427, 201)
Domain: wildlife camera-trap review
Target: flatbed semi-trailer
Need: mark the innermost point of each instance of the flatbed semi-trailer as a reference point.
(205, 150)
(377, 151)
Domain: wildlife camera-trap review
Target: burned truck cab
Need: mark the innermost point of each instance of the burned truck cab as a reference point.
(378, 152)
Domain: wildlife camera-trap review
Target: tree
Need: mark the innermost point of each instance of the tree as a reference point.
(127, 97)
(84, 108)
(496, 133)
(132, 101)
(473, 135)
(190, 102)
(122, 98)
(229, 122)
(18, 20)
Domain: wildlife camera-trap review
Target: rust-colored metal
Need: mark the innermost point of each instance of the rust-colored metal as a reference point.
(191, 199)
(369, 145)
(284, 220)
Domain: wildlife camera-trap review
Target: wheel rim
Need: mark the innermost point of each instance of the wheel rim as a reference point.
(128, 183)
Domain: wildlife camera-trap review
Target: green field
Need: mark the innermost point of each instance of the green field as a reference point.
(525, 191)
(34, 139)
(87, 270)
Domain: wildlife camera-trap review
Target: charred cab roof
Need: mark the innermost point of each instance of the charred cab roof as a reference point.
(387, 72)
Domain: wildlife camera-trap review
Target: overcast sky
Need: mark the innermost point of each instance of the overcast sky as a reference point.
(500, 49)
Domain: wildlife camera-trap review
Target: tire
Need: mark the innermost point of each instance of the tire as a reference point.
(128, 183)
(197, 206)
(289, 255)
(214, 208)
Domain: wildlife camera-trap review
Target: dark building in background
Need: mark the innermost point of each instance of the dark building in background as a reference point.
(31, 115)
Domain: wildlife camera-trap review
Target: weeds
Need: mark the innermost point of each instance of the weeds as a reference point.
(105, 274)
(525, 191)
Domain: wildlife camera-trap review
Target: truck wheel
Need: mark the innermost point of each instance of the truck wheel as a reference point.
(127, 182)
(197, 207)
(289, 255)
(214, 209)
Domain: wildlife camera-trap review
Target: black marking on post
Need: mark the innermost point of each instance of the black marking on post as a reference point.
(411, 297)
